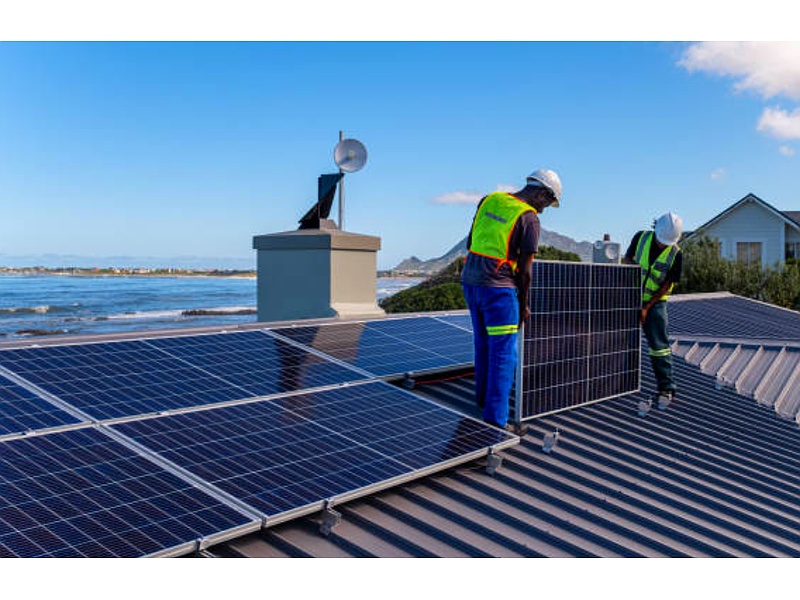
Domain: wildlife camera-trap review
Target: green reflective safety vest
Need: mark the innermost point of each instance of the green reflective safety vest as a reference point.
(653, 276)
(494, 224)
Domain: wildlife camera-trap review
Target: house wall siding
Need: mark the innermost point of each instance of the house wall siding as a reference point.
(751, 223)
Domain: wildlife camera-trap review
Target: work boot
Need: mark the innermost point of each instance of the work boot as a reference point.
(665, 398)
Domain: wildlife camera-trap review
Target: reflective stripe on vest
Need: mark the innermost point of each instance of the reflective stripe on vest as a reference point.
(653, 276)
(494, 224)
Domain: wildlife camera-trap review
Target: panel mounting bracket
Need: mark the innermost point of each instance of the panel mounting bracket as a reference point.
(330, 519)
(493, 462)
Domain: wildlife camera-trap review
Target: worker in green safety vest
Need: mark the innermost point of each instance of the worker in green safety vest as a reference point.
(502, 243)
(661, 259)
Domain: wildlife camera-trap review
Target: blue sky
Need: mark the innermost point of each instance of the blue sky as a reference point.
(164, 149)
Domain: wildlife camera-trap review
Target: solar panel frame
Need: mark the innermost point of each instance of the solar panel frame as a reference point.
(584, 320)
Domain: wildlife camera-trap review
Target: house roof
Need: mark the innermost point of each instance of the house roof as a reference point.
(791, 218)
(715, 474)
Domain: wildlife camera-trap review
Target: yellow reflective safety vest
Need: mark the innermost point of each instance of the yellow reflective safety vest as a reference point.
(653, 276)
(493, 225)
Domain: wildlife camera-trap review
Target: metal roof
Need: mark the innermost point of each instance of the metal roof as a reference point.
(715, 474)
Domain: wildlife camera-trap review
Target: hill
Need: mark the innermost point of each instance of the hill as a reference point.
(417, 266)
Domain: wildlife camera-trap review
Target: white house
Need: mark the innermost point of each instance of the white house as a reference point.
(753, 231)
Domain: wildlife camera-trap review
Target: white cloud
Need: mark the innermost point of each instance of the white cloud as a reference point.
(786, 150)
(780, 123)
(470, 198)
(458, 198)
(718, 174)
(769, 68)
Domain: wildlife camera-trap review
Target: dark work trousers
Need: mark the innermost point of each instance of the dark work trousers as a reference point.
(655, 330)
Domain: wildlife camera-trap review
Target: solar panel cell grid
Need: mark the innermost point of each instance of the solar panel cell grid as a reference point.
(298, 451)
(22, 410)
(581, 342)
(79, 493)
(390, 347)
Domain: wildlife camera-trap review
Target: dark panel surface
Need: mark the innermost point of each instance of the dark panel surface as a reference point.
(21, 410)
(389, 347)
(122, 379)
(297, 451)
(256, 362)
(582, 340)
(81, 494)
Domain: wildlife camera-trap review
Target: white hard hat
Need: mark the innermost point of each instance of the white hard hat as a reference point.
(550, 180)
(669, 228)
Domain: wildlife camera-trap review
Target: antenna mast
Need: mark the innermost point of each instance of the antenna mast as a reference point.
(341, 191)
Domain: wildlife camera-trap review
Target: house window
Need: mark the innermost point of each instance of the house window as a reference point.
(748, 252)
(793, 250)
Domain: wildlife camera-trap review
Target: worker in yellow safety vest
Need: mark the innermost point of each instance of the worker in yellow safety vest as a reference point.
(502, 243)
(661, 259)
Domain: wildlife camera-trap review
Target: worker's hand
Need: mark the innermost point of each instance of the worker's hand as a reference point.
(643, 315)
(524, 315)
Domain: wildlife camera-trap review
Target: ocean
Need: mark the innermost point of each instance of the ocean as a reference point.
(32, 305)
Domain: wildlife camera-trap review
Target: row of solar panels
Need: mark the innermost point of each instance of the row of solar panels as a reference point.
(53, 386)
(165, 445)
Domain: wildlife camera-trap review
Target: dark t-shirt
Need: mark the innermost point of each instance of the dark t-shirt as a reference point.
(482, 270)
(675, 271)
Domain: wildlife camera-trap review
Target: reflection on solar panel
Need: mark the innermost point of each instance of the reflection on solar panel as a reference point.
(79, 493)
(389, 347)
(463, 320)
(121, 379)
(256, 361)
(21, 410)
(289, 455)
(582, 341)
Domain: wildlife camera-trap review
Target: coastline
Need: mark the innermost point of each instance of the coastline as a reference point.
(176, 273)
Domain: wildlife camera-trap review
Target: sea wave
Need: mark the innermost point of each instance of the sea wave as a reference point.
(178, 314)
(44, 309)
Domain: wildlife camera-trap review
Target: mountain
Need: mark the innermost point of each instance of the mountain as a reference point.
(546, 238)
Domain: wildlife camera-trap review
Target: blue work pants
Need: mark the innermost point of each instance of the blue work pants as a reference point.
(495, 323)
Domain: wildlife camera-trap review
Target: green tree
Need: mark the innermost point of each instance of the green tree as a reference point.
(704, 269)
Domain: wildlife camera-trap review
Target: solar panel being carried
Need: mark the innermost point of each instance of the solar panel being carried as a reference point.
(582, 341)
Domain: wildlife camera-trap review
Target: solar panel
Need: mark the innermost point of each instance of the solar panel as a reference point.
(582, 341)
(121, 379)
(21, 410)
(80, 493)
(290, 455)
(463, 321)
(389, 347)
(256, 362)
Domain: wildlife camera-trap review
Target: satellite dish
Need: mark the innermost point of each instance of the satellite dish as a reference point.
(612, 252)
(598, 245)
(350, 155)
